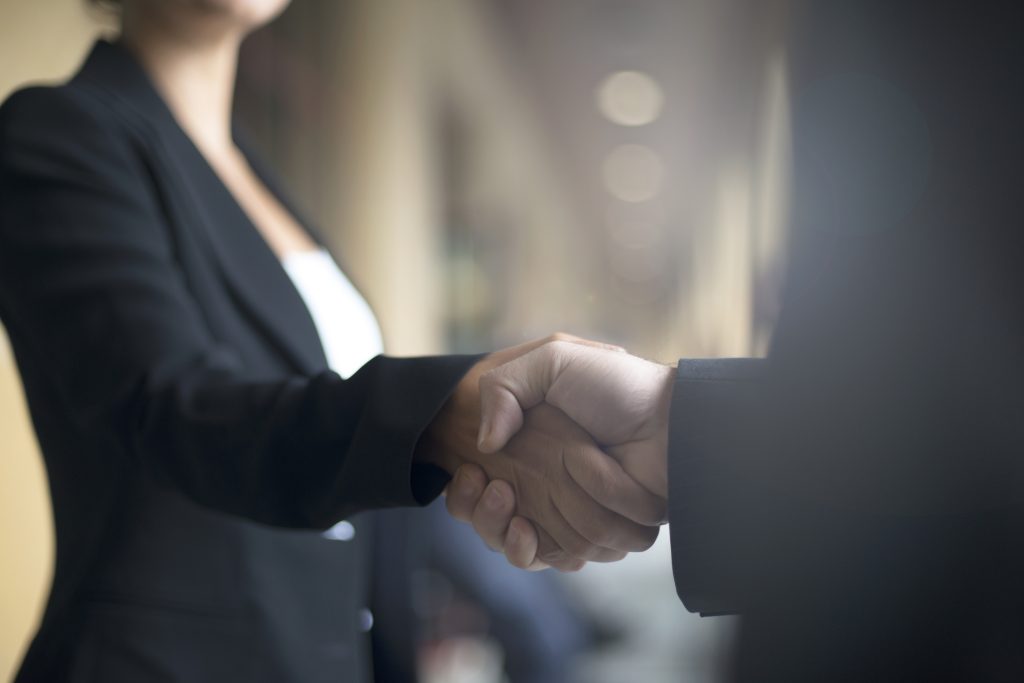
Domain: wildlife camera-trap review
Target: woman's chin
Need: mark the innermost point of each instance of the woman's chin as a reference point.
(249, 13)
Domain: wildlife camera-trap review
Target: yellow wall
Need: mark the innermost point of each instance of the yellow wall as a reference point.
(38, 41)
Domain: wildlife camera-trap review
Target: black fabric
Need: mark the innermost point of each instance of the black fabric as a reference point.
(858, 496)
(193, 436)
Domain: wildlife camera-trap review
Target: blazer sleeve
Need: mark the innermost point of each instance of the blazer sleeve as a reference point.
(779, 493)
(710, 494)
(88, 279)
(877, 444)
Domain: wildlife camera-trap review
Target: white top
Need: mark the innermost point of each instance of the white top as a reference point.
(347, 327)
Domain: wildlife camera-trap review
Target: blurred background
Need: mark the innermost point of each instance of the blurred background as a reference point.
(492, 171)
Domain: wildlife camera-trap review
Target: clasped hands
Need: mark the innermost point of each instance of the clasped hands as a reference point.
(559, 452)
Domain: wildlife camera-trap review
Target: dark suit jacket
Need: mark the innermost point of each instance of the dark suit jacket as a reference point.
(857, 495)
(193, 438)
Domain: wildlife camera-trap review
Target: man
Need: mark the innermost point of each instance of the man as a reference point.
(858, 496)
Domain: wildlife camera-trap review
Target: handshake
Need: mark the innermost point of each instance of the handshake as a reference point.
(559, 452)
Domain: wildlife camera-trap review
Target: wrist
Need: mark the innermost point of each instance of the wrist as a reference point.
(450, 439)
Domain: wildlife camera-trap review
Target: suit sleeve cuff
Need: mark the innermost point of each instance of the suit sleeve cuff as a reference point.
(396, 400)
(711, 402)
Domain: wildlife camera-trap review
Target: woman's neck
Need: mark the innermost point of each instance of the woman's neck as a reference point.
(195, 76)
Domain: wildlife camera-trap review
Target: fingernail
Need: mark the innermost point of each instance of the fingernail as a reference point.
(494, 499)
(513, 534)
(485, 431)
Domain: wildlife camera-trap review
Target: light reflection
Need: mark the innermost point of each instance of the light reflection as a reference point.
(630, 98)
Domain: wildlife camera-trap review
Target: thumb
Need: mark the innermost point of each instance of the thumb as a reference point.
(501, 417)
(508, 390)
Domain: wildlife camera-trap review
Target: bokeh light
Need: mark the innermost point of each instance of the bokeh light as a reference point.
(630, 98)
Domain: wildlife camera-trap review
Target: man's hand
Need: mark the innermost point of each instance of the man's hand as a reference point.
(621, 400)
(569, 524)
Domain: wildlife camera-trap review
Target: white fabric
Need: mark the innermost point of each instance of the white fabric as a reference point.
(347, 327)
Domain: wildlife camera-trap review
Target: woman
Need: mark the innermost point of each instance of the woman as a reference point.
(174, 323)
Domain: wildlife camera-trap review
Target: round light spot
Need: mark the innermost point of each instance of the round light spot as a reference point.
(342, 531)
(365, 620)
(633, 173)
(630, 98)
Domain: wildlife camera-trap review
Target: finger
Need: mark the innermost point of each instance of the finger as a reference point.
(464, 491)
(506, 391)
(520, 380)
(573, 339)
(604, 480)
(501, 414)
(596, 523)
(573, 543)
(493, 513)
(521, 543)
(526, 347)
(550, 553)
(646, 462)
(520, 384)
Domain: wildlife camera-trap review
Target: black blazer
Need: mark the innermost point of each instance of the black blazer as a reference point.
(193, 437)
(858, 496)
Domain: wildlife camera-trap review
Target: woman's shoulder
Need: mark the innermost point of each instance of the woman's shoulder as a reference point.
(109, 95)
(46, 126)
(65, 110)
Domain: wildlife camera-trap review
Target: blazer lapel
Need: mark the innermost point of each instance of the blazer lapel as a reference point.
(250, 268)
